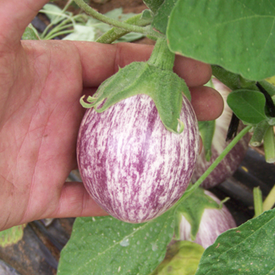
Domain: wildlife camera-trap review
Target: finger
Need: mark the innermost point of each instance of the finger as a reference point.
(207, 103)
(76, 202)
(100, 61)
(15, 16)
(195, 73)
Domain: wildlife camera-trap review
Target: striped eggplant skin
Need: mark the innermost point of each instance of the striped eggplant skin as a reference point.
(233, 159)
(130, 164)
(213, 223)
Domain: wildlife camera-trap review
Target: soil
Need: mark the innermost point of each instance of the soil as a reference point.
(103, 6)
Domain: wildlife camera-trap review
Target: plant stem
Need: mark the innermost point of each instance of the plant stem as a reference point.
(49, 37)
(69, 2)
(115, 33)
(90, 11)
(269, 145)
(258, 201)
(259, 133)
(269, 102)
(214, 164)
(56, 31)
(270, 89)
(269, 200)
(222, 155)
(161, 56)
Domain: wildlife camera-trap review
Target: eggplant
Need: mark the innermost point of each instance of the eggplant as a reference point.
(130, 164)
(213, 223)
(231, 162)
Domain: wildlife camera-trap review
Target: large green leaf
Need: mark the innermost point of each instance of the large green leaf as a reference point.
(237, 34)
(105, 245)
(248, 249)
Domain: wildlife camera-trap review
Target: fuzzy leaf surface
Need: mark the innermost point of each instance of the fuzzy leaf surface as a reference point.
(236, 34)
(247, 249)
(105, 245)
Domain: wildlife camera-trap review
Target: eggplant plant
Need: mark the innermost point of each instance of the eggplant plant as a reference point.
(138, 142)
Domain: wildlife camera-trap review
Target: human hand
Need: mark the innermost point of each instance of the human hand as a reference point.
(41, 83)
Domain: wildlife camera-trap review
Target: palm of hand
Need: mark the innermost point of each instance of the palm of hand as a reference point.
(39, 136)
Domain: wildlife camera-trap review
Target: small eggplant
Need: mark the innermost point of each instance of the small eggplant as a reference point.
(213, 222)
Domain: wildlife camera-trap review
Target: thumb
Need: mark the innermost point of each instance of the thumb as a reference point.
(14, 18)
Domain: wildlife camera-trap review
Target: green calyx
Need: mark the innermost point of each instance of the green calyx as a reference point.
(154, 78)
(192, 209)
(207, 130)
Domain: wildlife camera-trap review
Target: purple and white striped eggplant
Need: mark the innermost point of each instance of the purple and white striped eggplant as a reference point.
(231, 162)
(130, 164)
(213, 223)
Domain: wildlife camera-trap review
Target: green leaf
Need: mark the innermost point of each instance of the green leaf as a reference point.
(161, 17)
(192, 209)
(153, 5)
(12, 235)
(248, 105)
(81, 33)
(182, 258)
(30, 33)
(247, 249)
(105, 245)
(237, 34)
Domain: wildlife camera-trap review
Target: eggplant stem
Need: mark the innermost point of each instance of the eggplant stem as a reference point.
(148, 30)
(269, 200)
(269, 102)
(115, 33)
(269, 145)
(258, 201)
(259, 133)
(230, 146)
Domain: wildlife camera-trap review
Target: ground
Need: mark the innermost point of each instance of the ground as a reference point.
(103, 6)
